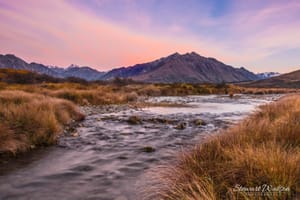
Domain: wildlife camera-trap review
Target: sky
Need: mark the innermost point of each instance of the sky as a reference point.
(260, 35)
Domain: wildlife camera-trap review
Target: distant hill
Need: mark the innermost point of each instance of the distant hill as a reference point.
(12, 62)
(21, 76)
(267, 75)
(289, 80)
(189, 67)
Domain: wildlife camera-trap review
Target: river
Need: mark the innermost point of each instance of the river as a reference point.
(109, 152)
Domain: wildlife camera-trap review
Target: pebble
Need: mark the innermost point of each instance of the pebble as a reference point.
(75, 134)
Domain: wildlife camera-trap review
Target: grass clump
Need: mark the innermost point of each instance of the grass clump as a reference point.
(262, 150)
(29, 120)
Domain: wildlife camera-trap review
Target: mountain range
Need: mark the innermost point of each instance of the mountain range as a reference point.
(189, 67)
(12, 62)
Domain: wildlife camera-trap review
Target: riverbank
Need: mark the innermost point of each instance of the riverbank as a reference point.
(261, 151)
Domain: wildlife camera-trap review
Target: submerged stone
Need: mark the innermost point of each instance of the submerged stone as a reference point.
(122, 157)
(148, 149)
(134, 120)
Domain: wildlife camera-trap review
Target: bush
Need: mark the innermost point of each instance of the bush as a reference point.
(132, 96)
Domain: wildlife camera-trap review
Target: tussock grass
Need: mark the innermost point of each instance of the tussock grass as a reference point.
(93, 94)
(259, 91)
(28, 120)
(263, 149)
(94, 97)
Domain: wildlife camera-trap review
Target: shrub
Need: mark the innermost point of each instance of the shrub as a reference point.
(132, 96)
(149, 90)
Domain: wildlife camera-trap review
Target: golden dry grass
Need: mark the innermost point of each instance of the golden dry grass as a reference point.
(92, 94)
(263, 149)
(97, 94)
(28, 120)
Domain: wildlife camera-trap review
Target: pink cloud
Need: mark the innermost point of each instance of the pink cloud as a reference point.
(63, 35)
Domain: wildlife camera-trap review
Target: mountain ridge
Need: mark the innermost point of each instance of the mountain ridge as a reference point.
(13, 62)
(188, 67)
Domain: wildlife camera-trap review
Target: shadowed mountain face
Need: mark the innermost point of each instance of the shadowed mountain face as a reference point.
(189, 67)
(289, 80)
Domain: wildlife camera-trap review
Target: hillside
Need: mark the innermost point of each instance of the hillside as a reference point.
(289, 80)
(21, 76)
(189, 67)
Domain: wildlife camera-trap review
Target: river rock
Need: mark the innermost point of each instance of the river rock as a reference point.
(199, 122)
(148, 149)
(181, 126)
(134, 120)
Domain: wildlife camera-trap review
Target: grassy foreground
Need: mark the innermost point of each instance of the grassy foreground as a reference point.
(29, 120)
(263, 149)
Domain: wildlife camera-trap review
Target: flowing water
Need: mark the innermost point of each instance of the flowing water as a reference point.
(107, 155)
